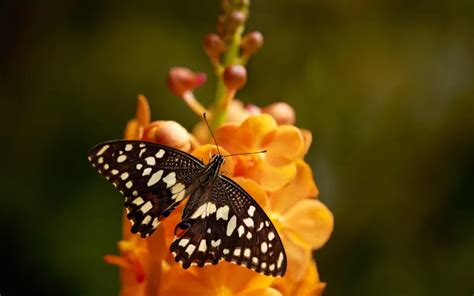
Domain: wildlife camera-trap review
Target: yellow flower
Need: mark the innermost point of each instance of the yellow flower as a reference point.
(284, 145)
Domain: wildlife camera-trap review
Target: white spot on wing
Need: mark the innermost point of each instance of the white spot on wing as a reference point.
(102, 150)
(216, 243)
(248, 222)
(139, 166)
(211, 208)
(138, 201)
(247, 253)
(155, 178)
(100, 160)
(128, 147)
(249, 235)
(129, 184)
(200, 212)
(141, 151)
(231, 225)
(241, 230)
(183, 242)
(150, 160)
(222, 213)
(160, 153)
(155, 223)
(146, 172)
(251, 211)
(114, 172)
(263, 247)
(237, 252)
(280, 260)
(121, 158)
(178, 187)
(146, 220)
(170, 179)
(124, 176)
(146, 207)
(225, 251)
(271, 236)
(190, 249)
(202, 246)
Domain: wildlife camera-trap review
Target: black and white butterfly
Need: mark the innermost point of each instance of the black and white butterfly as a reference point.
(220, 219)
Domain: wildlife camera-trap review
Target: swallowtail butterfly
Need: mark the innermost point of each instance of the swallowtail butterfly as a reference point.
(220, 219)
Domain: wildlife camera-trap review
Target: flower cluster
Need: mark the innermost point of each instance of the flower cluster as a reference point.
(279, 179)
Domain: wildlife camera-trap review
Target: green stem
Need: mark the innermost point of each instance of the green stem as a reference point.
(230, 57)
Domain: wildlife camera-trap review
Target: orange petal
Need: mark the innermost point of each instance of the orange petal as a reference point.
(133, 130)
(309, 223)
(310, 284)
(298, 259)
(260, 292)
(300, 188)
(255, 191)
(308, 139)
(254, 129)
(271, 178)
(284, 144)
(204, 153)
(117, 260)
(228, 137)
(143, 114)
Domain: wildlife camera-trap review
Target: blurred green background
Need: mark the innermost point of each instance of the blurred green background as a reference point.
(385, 86)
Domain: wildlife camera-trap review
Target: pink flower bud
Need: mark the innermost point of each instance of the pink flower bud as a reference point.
(213, 45)
(235, 77)
(281, 112)
(169, 133)
(182, 80)
(252, 42)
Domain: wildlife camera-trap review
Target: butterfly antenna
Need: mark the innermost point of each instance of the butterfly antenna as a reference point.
(246, 153)
(210, 130)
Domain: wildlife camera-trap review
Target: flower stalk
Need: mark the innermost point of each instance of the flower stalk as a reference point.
(230, 27)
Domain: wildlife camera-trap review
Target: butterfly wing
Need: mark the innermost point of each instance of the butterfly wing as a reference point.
(228, 224)
(153, 178)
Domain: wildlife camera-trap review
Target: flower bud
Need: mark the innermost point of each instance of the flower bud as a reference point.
(253, 109)
(235, 77)
(234, 20)
(182, 80)
(169, 133)
(213, 45)
(281, 112)
(252, 42)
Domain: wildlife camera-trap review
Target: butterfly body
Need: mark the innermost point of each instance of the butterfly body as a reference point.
(220, 221)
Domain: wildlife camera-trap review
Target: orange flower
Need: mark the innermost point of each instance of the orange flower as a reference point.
(284, 145)
(303, 222)
(223, 279)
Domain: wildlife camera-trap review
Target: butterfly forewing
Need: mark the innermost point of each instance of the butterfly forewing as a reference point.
(228, 224)
(153, 178)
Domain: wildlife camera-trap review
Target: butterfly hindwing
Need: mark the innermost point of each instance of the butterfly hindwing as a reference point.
(153, 178)
(228, 224)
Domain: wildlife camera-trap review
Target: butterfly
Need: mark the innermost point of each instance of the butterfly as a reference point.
(220, 220)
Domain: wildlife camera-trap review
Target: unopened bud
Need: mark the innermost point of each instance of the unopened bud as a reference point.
(281, 112)
(253, 109)
(234, 20)
(169, 133)
(235, 77)
(182, 80)
(213, 45)
(252, 42)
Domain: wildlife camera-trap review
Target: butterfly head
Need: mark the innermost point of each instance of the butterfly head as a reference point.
(217, 160)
